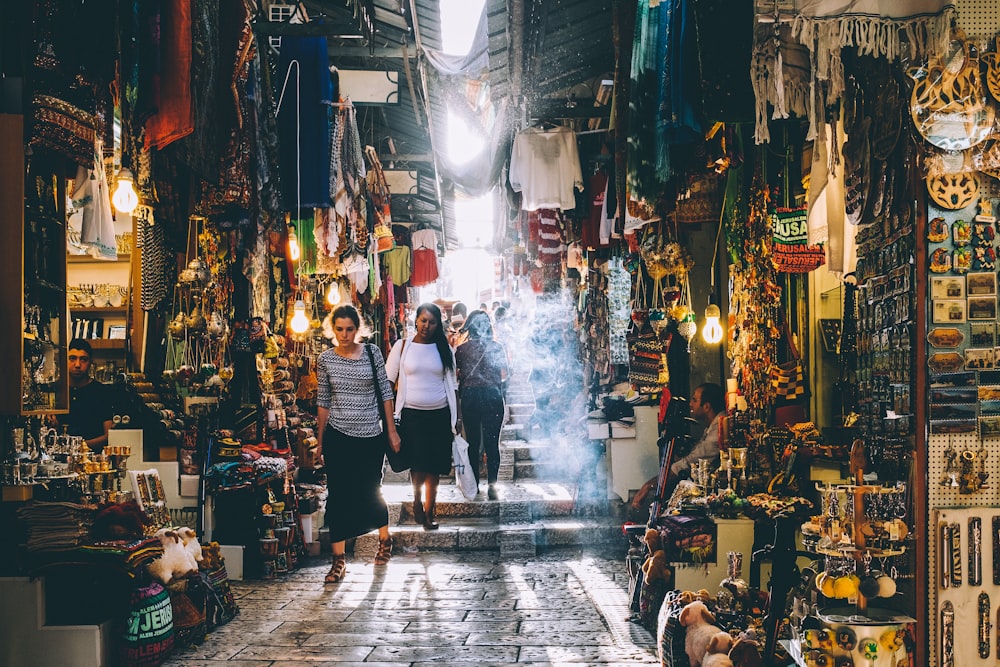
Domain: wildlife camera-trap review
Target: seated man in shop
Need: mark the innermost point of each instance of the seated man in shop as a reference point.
(708, 402)
(90, 402)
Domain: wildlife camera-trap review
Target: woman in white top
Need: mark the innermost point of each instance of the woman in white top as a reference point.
(426, 407)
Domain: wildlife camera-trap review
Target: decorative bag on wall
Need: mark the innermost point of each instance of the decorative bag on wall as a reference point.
(791, 252)
(788, 379)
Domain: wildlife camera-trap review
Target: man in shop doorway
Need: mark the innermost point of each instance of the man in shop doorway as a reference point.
(90, 402)
(708, 402)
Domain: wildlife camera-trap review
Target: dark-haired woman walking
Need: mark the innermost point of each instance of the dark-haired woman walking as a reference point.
(426, 407)
(351, 438)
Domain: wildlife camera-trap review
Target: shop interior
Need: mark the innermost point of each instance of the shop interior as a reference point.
(796, 230)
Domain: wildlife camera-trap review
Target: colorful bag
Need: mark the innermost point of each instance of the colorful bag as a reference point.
(148, 637)
(788, 379)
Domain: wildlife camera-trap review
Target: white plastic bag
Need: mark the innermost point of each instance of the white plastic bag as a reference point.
(465, 479)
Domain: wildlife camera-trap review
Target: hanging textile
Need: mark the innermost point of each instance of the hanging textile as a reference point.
(156, 278)
(425, 261)
(645, 177)
(619, 316)
(92, 197)
(882, 28)
(174, 118)
(545, 168)
(303, 122)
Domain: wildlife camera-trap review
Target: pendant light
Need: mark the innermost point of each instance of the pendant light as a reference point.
(333, 294)
(300, 322)
(125, 199)
(712, 331)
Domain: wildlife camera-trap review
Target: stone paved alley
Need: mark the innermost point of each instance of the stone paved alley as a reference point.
(567, 606)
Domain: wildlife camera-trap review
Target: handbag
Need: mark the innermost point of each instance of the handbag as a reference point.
(788, 379)
(465, 478)
(398, 461)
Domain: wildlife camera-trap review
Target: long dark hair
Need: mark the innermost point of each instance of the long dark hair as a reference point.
(478, 325)
(447, 360)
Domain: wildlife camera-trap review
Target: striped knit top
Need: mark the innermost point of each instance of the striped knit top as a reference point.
(347, 390)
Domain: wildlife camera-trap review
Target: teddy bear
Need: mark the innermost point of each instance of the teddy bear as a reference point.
(700, 629)
(176, 561)
(652, 540)
(717, 653)
(655, 568)
(745, 653)
(211, 557)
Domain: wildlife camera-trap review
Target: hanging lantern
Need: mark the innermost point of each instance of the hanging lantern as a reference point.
(688, 327)
(294, 251)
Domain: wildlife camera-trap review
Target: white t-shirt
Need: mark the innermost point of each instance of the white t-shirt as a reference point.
(425, 385)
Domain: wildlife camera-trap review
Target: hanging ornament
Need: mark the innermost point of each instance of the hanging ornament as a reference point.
(687, 328)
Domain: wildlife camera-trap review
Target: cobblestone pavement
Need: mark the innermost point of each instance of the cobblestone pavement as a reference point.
(566, 607)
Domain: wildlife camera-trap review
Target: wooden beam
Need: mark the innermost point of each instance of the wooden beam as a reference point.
(386, 158)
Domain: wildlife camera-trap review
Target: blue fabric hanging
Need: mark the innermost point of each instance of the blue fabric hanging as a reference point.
(311, 114)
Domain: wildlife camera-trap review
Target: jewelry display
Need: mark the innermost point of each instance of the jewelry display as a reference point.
(956, 555)
(975, 551)
(945, 554)
(984, 625)
(947, 634)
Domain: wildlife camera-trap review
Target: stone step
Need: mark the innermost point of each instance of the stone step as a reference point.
(545, 470)
(542, 500)
(485, 534)
(514, 431)
(521, 412)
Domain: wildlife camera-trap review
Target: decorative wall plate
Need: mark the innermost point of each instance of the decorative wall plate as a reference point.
(937, 230)
(946, 362)
(945, 337)
(953, 191)
(992, 61)
(940, 261)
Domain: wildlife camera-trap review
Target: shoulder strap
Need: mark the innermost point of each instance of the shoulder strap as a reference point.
(378, 387)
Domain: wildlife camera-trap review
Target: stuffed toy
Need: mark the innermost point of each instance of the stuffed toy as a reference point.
(745, 653)
(655, 568)
(176, 561)
(211, 557)
(718, 648)
(191, 544)
(700, 629)
(652, 540)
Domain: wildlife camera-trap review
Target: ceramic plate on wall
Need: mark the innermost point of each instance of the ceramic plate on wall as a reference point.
(946, 362)
(946, 337)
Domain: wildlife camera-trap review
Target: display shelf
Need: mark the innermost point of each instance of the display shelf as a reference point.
(99, 310)
(33, 270)
(107, 343)
(87, 259)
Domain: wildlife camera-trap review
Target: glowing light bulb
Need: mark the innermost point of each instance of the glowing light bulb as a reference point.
(299, 323)
(294, 252)
(333, 294)
(125, 199)
(712, 331)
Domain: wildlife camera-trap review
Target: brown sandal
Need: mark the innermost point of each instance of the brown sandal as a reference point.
(337, 570)
(384, 551)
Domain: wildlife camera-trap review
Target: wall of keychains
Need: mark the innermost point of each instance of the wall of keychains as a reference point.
(963, 447)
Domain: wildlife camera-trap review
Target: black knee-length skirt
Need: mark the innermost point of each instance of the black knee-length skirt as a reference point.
(427, 438)
(354, 504)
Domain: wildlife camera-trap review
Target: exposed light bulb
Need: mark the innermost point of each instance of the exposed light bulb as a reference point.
(299, 323)
(294, 252)
(125, 199)
(712, 331)
(333, 294)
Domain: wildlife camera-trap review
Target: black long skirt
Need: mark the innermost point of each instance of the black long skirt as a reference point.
(427, 439)
(354, 504)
